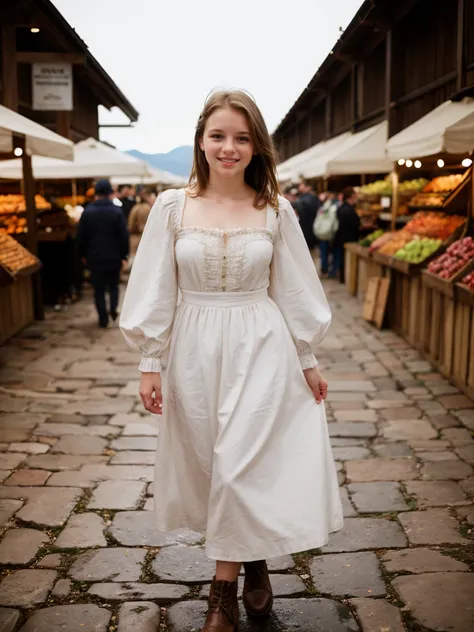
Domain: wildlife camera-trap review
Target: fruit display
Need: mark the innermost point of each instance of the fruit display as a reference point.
(12, 204)
(443, 184)
(12, 225)
(418, 249)
(369, 240)
(454, 259)
(427, 199)
(384, 187)
(398, 241)
(13, 257)
(469, 281)
(434, 225)
(381, 241)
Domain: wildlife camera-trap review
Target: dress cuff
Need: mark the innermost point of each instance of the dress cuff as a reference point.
(150, 365)
(308, 361)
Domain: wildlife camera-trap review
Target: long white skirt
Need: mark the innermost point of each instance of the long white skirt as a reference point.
(243, 450)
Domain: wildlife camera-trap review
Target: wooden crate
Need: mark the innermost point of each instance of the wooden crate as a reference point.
(462, 370)
(16, 307)
(437, 332)
(352, 254)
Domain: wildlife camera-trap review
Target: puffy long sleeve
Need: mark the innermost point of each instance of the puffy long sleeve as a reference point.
(152, 292)
(296, 289)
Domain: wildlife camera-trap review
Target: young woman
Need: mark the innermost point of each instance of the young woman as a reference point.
(225, 305)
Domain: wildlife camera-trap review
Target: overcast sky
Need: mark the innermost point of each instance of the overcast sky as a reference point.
(167, 55)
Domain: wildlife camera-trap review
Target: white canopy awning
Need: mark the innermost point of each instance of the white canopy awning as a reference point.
(157, 176)
(363, 152)
(92, 159)
(448, 128)
(316, 163)
(39, 141)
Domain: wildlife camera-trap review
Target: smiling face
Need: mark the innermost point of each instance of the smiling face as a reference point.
(227, 143)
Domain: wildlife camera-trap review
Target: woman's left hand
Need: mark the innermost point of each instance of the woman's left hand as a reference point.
(316, 383)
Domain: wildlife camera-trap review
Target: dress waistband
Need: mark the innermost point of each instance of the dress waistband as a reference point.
(223, 299)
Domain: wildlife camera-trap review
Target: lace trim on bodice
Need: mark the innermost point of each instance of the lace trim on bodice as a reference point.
(224, 254)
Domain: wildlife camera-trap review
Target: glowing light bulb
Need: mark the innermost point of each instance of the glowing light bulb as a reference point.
(417, 164)
(34, 30)
(18, 151)
(401, 161)
(440, 163)
(409, 163)
(467, 162)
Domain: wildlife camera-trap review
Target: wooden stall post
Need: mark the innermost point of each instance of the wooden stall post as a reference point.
(32, 234)
(395, 197)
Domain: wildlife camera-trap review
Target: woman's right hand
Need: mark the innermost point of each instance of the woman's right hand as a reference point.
(150, 392)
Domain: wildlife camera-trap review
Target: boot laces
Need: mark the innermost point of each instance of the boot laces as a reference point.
(220, 598)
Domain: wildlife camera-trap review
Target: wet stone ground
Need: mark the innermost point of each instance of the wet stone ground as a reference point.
(79, 549)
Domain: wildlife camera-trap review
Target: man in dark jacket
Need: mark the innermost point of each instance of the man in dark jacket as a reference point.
(126, 195)
(307, 207)
(348, 230)
(103, 244)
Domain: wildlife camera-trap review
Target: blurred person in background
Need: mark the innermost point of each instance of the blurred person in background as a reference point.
(307, 206)
(139, 216)
(102, 237)
(325, 228)
(348, 230)
(126, 195)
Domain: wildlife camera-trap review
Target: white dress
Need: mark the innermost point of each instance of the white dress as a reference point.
(231, 318)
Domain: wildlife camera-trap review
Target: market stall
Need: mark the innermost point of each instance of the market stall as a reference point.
(20, 287)
(429, 259)
(57, 216)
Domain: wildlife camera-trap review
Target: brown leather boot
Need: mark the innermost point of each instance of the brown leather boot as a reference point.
(223, 611)
(258, 593)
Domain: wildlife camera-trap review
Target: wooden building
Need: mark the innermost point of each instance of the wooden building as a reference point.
(396, 61)
(35, 31)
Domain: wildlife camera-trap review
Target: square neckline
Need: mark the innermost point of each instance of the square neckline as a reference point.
(221, 231)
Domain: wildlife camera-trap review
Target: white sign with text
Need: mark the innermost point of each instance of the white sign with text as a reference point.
(52, 86)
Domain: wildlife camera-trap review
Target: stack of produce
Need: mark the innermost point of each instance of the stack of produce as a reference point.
(427, 199)
(434, 225)
(13, 256)
(384, 187)
(454, 259)
(398, 241)
(369, 240)
(12, 225)
(381, 241)
(443, 184)
(469, 281)
(418, 249)
(11, 204)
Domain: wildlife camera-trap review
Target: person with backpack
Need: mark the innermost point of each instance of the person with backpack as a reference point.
(325, 227)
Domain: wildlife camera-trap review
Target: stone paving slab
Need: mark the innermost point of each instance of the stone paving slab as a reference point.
(71, 618)
(19, 546)
(44, 506)
(112, 564)
(439, 601)
(139, 616)
(82, 531)
(348, 574)
(433, 526)
(362, 534)
(378, 615)
(8, 619)
(26, 588)
(161, 593)
(421, 561)
(377, 497)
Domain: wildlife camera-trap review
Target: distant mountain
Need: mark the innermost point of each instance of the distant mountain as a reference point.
(177, 161)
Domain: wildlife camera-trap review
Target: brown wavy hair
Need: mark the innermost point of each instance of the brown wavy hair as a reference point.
(261, 172)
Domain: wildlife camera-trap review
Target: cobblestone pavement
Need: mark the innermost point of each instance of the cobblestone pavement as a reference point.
(76, 464)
